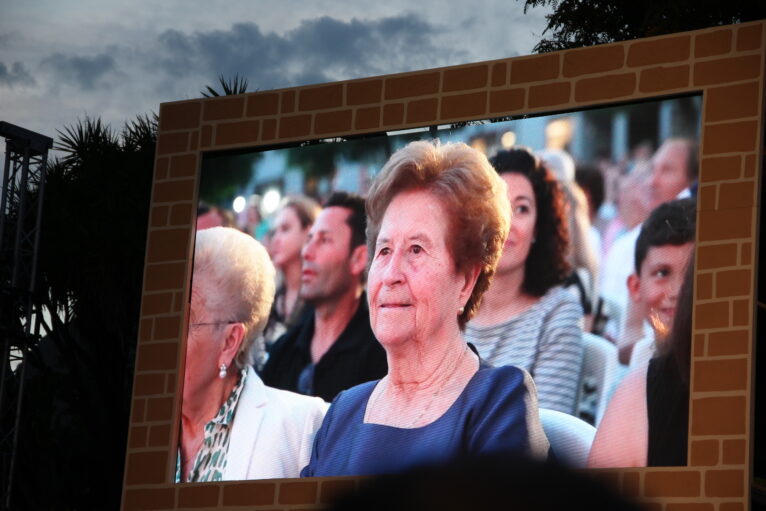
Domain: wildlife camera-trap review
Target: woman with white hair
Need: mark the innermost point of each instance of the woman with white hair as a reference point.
(233, 427)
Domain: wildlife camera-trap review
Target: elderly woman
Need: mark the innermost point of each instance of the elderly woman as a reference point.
(437, 220)
(527, 319)
(232, 425)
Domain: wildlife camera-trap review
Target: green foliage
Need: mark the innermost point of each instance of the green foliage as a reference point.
(576, 23)
(222, 177)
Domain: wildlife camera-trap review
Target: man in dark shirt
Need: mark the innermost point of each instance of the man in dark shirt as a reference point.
(332, 347)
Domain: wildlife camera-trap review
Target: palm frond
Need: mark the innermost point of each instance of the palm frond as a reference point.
(229, 87)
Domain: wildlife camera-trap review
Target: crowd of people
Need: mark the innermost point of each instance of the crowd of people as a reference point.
(431, 320)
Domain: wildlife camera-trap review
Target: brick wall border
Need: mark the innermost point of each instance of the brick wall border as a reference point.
(724, 64)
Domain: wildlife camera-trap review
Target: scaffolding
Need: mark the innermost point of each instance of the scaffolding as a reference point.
(21, 202)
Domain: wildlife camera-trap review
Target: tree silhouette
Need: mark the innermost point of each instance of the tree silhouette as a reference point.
(229, 87)
(575, 23)
(73, 428)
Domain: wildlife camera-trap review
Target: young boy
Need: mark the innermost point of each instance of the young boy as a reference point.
(662, 250)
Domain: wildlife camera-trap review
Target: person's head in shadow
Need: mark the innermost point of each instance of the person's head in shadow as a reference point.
(498, 481)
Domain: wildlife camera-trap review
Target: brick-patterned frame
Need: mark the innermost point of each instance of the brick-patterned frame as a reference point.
(724, 64)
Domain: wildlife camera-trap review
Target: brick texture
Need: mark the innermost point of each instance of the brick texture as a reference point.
(720, 167)
(173, 191)
(172, 143)
(332, 122)
(146, 384)
(362, 93)
(146, 467)
(183, 165)
(198, 496)
(718, 416)
(295, 127)
(733, 283)
(223, 108)
(734, 452)
(237, 132)
(367, 118)
(263, 104)
(724, 483)
(298, 493)
(535, 69)
(749, 37)
(727, 70)
(595, 59)
(422, 110)
(464, 106)
(179, 116)
(149, 499)
(716, 256)
(549, 95)
(316, 98)
(726, 224)
(157, 357)
(736, 195)
(605, 87)
(672, 484)
(167, 245)
(159, 277)
(658, 79)
(731, 102)
(249, 494)
(499, 74)
(411, 86)
(713, 43)
(720, 375)
(506, 100)
(704, 453)
(465, 78)
(728, 343)
(659, 51)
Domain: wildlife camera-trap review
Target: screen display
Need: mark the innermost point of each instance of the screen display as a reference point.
(600, 332)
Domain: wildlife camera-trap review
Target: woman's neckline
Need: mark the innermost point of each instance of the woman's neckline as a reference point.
(449, 409)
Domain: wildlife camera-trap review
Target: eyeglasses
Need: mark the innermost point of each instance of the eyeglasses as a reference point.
(214, 323)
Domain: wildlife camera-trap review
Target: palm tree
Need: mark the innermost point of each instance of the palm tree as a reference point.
(73, 430)
(229, 87)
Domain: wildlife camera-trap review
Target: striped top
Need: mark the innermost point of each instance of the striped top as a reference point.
(545, 340)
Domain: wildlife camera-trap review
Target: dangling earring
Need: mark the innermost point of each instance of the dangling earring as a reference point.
(222, 371)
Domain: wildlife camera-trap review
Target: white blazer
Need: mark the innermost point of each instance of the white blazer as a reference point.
(272, 433)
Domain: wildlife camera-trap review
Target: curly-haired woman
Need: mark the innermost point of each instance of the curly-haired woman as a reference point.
(526, 318)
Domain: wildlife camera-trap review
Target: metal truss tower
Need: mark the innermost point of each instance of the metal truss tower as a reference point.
(21, 202)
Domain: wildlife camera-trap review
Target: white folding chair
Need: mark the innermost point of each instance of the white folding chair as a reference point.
(598, 377)
(570, 437)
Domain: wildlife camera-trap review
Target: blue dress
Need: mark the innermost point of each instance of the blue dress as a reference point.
(490, 415)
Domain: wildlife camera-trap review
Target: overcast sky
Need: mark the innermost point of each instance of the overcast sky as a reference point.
(64, 59)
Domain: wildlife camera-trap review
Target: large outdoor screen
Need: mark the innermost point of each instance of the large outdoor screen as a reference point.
(600, 119)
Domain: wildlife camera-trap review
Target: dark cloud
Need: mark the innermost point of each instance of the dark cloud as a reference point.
(85, 72)
(17, 74)
(318, 50)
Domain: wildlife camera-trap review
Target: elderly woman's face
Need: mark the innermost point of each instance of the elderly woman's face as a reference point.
(202, 350)
(523, 220)
(414, 290)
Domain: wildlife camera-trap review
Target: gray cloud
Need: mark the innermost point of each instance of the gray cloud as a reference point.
(318, 50)
(17, 74)
(85, 72)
